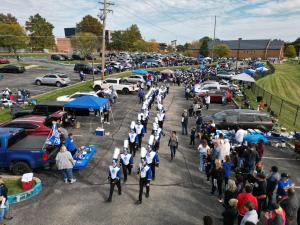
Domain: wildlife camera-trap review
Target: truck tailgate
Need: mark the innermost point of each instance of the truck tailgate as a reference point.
(29, 143)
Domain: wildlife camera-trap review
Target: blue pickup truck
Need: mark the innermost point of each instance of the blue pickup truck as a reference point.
(21, 153)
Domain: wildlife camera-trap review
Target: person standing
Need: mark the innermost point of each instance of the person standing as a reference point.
(184, 122)
(290, 206)
(152, 160)
(161, 119)
(272, 181)
(231, 192)
(203, 148)
(70, 145)
(4, 206)
(193, 136)
(106, 112)
(173, 144)
(65, 163)
(230, 213)
(250, 215)
(227, 166)
(217, 175)
(145, 117)
(283, 185)
(207, 101)
(114, 177)
(133, 142)
(145, 174)
(260, 192)
(240, 134)
(141, 95)
(126, 160)
(139, 129)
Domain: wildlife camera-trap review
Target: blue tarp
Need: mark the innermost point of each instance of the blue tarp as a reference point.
(87, 102)
(249, 71)
(255, 138)
(140, 71)
(259, 64)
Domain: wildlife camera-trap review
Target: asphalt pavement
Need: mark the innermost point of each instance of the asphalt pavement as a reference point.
(179, 195)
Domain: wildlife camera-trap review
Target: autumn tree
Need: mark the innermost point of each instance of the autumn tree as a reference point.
(222, 50)
(84, 43)
(290, 51)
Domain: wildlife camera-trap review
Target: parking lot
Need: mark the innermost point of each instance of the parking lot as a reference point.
(179, 195)
(26, 80)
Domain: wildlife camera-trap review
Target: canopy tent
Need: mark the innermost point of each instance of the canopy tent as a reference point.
(262, 69)
(259, 64)
(249, 71)
(167, 71)
(87, 102)
(255, 138)
(243, 77)
(140, 72)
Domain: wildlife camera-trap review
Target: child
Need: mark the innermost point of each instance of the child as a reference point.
(193, 135)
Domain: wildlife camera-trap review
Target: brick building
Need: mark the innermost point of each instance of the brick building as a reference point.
(261, 48)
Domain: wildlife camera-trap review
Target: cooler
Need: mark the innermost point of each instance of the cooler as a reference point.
(100, 132)
(27, 181)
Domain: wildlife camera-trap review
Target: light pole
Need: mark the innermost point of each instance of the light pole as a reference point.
(238, 54)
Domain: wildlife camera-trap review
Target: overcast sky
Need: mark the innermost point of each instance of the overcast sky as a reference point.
(167, 20)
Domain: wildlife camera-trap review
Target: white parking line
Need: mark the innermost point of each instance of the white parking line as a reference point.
(281, 158)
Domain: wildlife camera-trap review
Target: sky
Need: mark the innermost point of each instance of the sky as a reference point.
(167, 20)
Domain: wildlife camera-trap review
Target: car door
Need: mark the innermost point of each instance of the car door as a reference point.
(52, 79)
(231, 121)
(247, 121)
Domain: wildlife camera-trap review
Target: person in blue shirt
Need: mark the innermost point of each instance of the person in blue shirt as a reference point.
(126, 160)
(70, 144)
(141, 95)
(145, 174)
(227, 166)
(283, 185)
(114, 177)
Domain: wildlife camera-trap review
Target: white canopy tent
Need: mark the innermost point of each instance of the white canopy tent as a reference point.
(167, 71)
(243, 77)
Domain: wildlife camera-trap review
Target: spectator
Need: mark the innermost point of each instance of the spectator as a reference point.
(242, 199)
(259, 169)
(272, 181)
(65, 163)
(290, 206)
(187, 93)
(184, 122)
(251, 158)
(260, 148)
(141, 95)
(283, 185)
(276, 216)
(207, 220)
(70, 145)
(207, 101)
(208, 164)
(240, 183)
(260, 192)
(224, 149)
(4, 209)
(173, 144)
(106, 112)
(231, 192)
(251, 214)
(193, 135)
(230, 213)
(239, 135)
(227, 165)
(217, 175)
(203, 148)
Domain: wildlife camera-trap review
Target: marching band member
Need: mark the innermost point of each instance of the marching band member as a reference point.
(155, 125)
(152, 157)
(114, 175)
(145, 117)
(161, 118)
(126, 160)
(145, 174)
(133, 142)
(139, 129)
(157, 136)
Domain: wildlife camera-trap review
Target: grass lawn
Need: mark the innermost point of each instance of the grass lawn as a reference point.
(5, 115)
(34, 55)
(14, 186)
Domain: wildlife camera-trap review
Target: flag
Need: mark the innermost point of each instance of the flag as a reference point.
(54, 138)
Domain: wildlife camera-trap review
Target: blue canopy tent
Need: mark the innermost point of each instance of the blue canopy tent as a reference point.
(259, 64)
(140, 72)
(249, 71)
(88, 102)
(255, 138)
(262, 69)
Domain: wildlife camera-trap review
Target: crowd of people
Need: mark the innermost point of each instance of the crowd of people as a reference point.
(250, 193)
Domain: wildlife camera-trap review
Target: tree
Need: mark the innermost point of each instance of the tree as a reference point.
(152, 46)
(180, 48)
(8, 19)
(12, 36)
(90, 24)
(118, 41)
(84, 43)
(204, 46)
(140, 45)
(296, 44)
(290, 51)
(222, 50)
(131, 35)
(40, 32)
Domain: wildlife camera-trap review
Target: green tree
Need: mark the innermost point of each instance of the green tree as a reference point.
(12, 36)
(180, 48)
(8, 18)
(204, 46)
(131, 35)
(84, 43)
(290, 51)
(90, 24)
(222, 50)
(118, 41)
(140, 45)
(296, 44)
(40, 32)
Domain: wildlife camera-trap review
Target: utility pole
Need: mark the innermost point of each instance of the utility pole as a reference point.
(213, 44)
(102, 16)
(238, 54)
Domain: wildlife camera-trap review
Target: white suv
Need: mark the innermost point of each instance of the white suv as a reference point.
(118, 84)
(135, 79)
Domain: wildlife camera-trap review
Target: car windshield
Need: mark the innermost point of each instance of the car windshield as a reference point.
(63, 76)
(219, 115)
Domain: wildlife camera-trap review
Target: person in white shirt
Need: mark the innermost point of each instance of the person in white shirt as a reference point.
(207, 100)
(239, 135)
(202, 149)
(224, 150)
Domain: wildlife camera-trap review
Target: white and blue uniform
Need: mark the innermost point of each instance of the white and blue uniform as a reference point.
(133, 142)
(161, 119)
(127, 163)
(114, 176)
(139, 129)
(145, 177)
(152, 159)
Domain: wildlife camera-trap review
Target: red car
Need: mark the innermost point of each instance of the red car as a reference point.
(4, 61)
(33, 125)
(216, 95)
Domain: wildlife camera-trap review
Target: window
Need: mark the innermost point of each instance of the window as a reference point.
(247, 118)
(63, 76)
(52, 76)
(46, 76)
(112, 81)
(212, 88)
(219, 116)
(263, 118)
(232, 118)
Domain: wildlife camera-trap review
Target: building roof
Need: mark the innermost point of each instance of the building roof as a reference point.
(260, 44)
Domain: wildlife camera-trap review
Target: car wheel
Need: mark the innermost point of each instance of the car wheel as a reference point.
(19, 168)
(58, 84)
(38, 82)
(125, 91)
(97, 88)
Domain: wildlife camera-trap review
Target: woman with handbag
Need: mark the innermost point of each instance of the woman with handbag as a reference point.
(65, 163)
(173, 144)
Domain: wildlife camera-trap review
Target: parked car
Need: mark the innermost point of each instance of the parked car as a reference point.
(58, 79)
(57, 57)
(12, 69)
(118, 84)
(226, 74)
(33, 125)
(135, 79)
(6, 103)
(86, 68)
(210, 86)
(21, 153)
(90, 57)
(245, 118)
(66, 57)
(217, 95)
(4, 61)
(77, 57)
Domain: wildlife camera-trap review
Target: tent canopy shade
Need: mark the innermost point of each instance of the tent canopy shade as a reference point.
(243, 77)
(88, 102)
(140, 72)
(167, 71)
